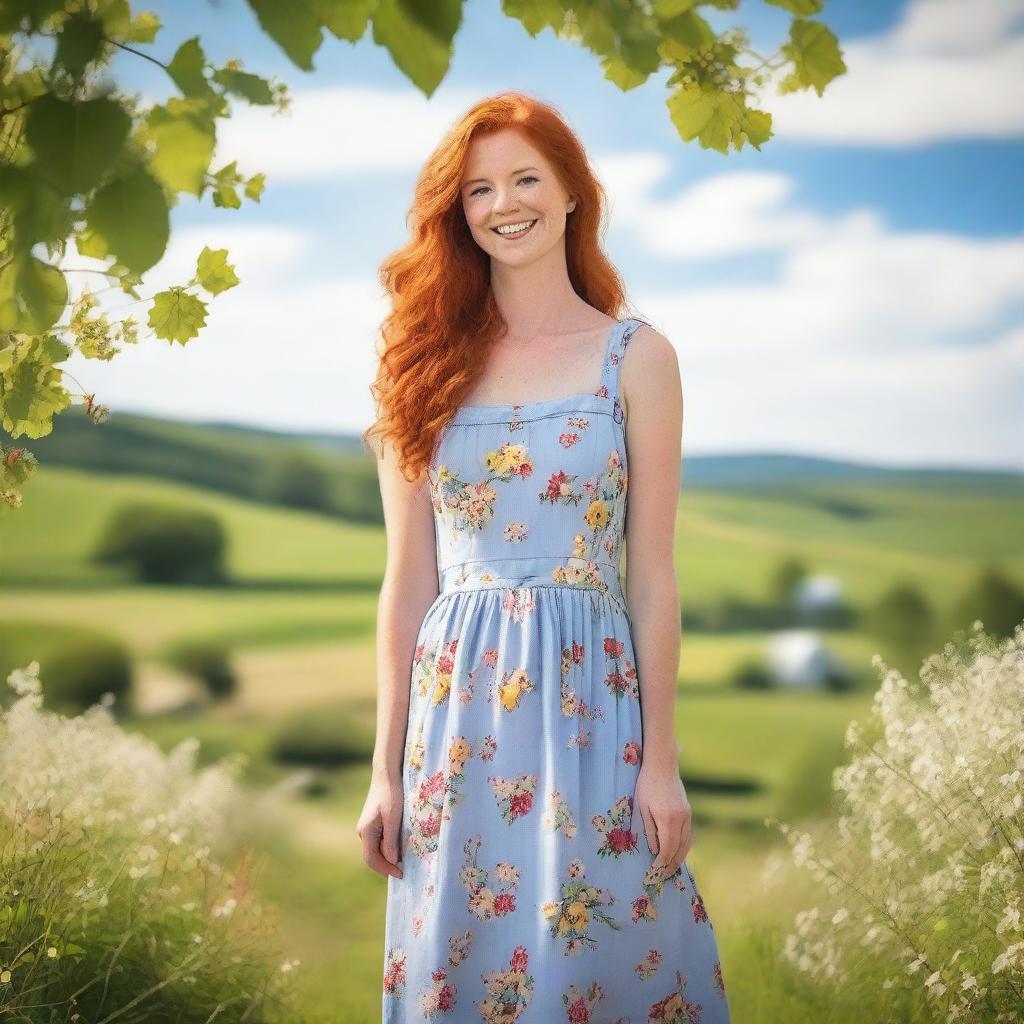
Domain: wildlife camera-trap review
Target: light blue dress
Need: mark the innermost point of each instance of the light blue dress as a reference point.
(528, 892)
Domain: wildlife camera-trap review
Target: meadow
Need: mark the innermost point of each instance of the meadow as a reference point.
(298, 616)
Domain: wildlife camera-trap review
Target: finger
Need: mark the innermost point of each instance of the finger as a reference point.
(669, 837)
(650, 829)
(390, 843)
(373, 856)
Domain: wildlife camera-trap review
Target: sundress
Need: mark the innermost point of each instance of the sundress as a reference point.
(528, 890)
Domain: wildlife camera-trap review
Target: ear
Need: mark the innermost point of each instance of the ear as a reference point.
(572, 206)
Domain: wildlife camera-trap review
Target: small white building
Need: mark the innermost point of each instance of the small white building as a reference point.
(818, 593)
(799, 658)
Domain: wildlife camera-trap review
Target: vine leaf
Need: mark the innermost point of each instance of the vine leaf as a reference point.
(177, 315)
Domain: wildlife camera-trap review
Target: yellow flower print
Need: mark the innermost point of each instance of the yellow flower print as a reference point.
(508, 461)
(576, 914)
(442, 686)
(513, 688)
(457, 754)
(597, 515)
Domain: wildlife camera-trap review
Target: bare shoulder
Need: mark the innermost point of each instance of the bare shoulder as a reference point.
(649, 375)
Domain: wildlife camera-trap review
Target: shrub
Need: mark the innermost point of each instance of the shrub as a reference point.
(923, 874)
(753, 675)
(995, 599)
(117, 903)
(207, 660)
(81, 665)
(164, 544)
(326, 738)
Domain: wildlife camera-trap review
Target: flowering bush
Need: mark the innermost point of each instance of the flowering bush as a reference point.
(924, 870)
(113, 902)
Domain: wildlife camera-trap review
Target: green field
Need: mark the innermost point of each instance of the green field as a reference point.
(299, 617)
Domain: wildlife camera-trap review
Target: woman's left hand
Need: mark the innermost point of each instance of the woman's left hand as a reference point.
(666, 813)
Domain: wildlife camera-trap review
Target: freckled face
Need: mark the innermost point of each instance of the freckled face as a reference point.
(508, 181)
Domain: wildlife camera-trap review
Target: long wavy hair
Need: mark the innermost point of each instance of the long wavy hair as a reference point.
(443, 317)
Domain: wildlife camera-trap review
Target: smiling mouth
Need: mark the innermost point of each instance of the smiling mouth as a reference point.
(517, 234)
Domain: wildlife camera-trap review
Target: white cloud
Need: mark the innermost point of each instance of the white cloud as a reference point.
(948, 70)
(341, 129)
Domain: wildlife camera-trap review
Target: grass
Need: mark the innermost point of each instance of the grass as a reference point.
(300, 620)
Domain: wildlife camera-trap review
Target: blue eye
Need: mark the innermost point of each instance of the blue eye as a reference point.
(525, 177)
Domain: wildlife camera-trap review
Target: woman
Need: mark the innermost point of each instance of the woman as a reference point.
(534, 740)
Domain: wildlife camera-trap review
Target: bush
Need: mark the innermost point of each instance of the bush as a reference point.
(164, 544)
(207, 660)
(753, 675)
(298, 480)
(326, 738)
(115, 852)
(993, 598)
(922, 887)
(81, 665)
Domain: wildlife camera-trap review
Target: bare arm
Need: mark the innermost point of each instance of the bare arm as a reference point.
(650, 384)
(408, 589)
(652, 395)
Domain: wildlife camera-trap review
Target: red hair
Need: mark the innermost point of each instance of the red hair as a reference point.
(443, 316)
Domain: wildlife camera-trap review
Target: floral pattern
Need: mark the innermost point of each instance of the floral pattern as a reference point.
(488, 901)
(527, 895)
(571, 917)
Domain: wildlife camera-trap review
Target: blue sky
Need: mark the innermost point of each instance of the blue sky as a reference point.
(854, 290)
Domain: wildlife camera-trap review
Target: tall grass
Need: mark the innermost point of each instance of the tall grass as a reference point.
(921, 877)
(116, 901)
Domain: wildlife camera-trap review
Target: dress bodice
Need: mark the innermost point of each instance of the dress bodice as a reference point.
(535, 494)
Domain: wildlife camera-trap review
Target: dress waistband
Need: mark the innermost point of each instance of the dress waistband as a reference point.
(532, 571)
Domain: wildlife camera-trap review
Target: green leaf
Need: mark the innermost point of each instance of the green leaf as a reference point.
(800, 8)
(815, 54)
(535, 15)
(345, 19)
(441, 18)
(130, 215)
(32, 391)
(143, 28)
(119, 24)
(705, 113)
(184, 137)
(76, 143)
(293, 26)
(214, 272)
(33, 295)
(241, 83)
(418, 53)
(254, 187)
(177, 315)
(186, 69)
(78, 43)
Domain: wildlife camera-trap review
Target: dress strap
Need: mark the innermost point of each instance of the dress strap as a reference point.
(618, 339)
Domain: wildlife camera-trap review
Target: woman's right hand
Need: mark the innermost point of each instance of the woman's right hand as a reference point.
(380, 825)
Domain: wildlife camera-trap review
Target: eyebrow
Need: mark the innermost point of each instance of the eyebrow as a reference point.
(512, 175)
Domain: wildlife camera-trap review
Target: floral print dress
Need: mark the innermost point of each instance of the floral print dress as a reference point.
(528, 890)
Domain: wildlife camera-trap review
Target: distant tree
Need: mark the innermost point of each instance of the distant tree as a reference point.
(298, 481)
(82, 160)
(786, 578)
(903, 618)
(164, 544)
(994, 599)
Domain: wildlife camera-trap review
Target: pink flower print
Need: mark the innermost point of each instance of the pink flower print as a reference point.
(567, 440)
(631, 752)
(394, 972)
(520, 958)
(719, 980)
(650, 963)
(699, 912)
(491, 657)
(613, 647)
